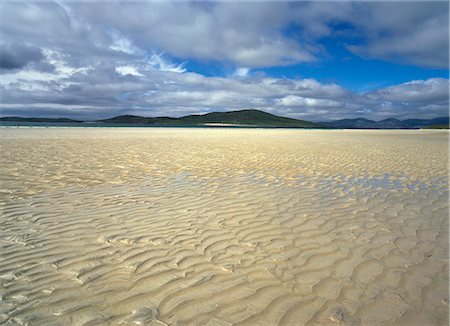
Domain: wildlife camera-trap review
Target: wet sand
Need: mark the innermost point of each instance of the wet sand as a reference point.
(223, 227)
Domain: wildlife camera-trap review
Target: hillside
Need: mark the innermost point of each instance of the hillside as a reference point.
(242, 117)
(437, 126)
(420, 123)
(391, 123)
(247, 118)
(20, 119)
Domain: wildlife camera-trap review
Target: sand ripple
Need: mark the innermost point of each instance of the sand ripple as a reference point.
(229, 227)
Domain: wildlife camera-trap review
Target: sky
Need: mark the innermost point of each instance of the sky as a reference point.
(316, 61)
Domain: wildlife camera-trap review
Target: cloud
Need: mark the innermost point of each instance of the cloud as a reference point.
(17, 56)
(418, 91)
(158, 62)
(123, 44)
(417, 32)
(310, 102)
(245, 34)
(241, 72)
(237, 33)
(128, 70)
(100, 59)
(99, 92)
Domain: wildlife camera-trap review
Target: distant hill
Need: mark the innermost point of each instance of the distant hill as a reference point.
(420, 123)
(19, 119)
(391, 123)
(437, 126)
(249, 118)
(242, 118)
(361, 123)
(439, 121)
(140, 120)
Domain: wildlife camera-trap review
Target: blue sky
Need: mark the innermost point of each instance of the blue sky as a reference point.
(309, 60)
(356, 73)
(336, 65)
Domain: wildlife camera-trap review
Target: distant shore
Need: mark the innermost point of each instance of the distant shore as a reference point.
(244, 119)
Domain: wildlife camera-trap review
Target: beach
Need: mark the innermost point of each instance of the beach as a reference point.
(204, 226)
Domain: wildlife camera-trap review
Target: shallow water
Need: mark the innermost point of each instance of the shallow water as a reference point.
(220, 227)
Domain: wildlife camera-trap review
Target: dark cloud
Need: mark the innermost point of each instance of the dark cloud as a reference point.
(17, 56)
(72, 88)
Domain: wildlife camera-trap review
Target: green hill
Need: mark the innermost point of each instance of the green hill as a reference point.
(242, 118)
(438, 126)
(134, 119)
(20, 119)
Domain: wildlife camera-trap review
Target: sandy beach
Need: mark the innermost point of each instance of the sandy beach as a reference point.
(161, 226)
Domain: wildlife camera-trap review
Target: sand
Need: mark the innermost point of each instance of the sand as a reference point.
(223, 227)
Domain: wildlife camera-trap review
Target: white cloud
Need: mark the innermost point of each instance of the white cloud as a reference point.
(32, 79)
(434, 89)
(62, 67)
(122, 44)
(158, 62)
(241, 72)
(128, 70)
(299, 101)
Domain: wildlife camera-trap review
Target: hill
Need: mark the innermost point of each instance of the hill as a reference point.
(420, 123)
(361, 123)
(20, 119)
(437, 126)
(391, 123)
(248, 118)
(239, 118)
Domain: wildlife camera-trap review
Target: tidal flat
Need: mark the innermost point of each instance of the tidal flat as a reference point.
(124, 226)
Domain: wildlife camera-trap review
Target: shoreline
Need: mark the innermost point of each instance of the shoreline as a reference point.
(203, 126)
